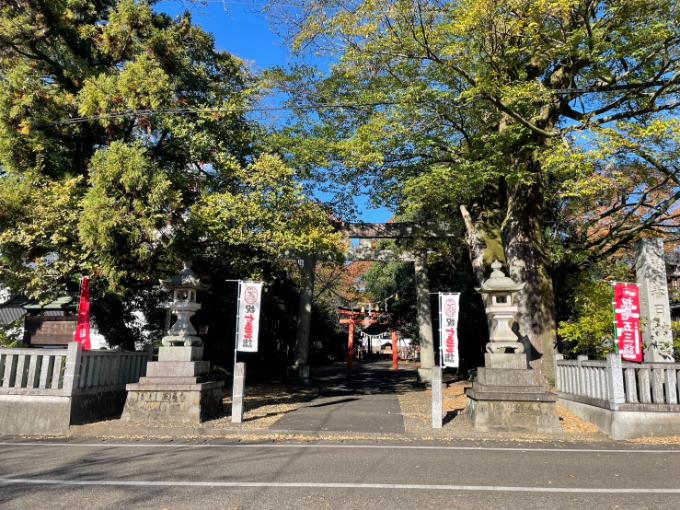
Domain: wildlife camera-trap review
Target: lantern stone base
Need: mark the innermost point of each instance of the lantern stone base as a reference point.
(175, 390)
(511, 399)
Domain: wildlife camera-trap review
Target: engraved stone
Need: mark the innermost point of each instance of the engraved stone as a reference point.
(650, 270)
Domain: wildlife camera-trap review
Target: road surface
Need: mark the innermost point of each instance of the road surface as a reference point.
(407, 475)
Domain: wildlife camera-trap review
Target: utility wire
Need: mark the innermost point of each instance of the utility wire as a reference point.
(265, 109)
(199, 111)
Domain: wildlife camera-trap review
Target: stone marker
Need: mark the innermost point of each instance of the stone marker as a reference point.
(237, 393)
(650, 269)
(506, 395)
(437, 412)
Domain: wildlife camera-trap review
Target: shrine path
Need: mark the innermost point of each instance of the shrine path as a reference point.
(361, 400)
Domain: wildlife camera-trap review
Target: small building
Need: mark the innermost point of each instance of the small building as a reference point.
(51, 324)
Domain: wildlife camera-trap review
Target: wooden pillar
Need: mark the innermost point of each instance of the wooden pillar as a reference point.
(350, 343)
(395, 351)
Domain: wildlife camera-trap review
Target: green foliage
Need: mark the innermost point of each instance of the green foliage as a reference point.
(268, 212)
(165, 165)
(587, 320)
(553, 122)
(10, 334)
(591, 331)
(395, 280)
(129, 203)
(111, 196)
(477, 102)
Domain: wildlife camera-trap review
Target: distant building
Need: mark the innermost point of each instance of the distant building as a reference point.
(44, 325)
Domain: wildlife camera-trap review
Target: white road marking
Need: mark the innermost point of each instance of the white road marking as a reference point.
(332, 485)
(33, 444)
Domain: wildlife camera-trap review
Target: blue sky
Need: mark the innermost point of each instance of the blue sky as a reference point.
(241, 30)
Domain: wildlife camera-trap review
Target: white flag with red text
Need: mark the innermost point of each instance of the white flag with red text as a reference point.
(250, 299)
(448, 328)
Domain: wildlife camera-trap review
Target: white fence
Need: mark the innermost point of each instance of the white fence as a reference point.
(33, 371)
(45, 391)
(620, 386)
(67, 372)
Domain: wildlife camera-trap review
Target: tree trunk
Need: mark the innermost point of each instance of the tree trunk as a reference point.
(523, 240)
(476, 245)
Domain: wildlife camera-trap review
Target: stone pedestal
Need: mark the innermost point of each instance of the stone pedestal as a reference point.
(175, 390)
(508, 396)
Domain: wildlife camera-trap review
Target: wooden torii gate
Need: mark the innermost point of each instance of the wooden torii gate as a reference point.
(377, 231)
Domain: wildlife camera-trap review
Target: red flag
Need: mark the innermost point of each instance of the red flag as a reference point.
(82, 335)
(627, 320)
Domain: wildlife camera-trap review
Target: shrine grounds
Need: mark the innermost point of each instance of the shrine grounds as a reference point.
(370, 402)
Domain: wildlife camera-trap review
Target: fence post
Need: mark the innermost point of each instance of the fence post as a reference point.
(581, 376)
(115, 375)
(74, 356)
(671, 385)
(615, 380)
(558, 372)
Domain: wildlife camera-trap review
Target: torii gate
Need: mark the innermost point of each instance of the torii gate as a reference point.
(364, 319)
(377, 231)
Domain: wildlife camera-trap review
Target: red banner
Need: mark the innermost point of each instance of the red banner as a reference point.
(627, 312)
(82, 335)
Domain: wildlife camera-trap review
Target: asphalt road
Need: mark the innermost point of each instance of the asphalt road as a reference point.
(387, 476)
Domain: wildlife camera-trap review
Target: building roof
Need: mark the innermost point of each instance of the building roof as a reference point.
(12, 310)
(61, 303)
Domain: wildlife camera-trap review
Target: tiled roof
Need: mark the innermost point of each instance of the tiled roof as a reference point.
(12, 310)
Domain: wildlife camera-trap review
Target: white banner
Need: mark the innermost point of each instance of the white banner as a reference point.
(448, 328)
(250, 298)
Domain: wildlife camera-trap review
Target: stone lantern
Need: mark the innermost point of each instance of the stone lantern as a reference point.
(183, 286)
(506, 395)
(498, 292)
(176, 388)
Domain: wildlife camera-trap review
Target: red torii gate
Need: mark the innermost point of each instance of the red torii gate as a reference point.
(364, 319)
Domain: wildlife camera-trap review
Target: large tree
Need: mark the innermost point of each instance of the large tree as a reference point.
(550, 124)
(125, 147)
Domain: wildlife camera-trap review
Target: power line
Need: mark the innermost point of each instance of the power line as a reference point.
(199, 111)
(265, 109)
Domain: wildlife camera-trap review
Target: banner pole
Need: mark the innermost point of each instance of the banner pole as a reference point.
(238, 320)
(80, 292)
(616, 331)
(238, 376)
(441, 353)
